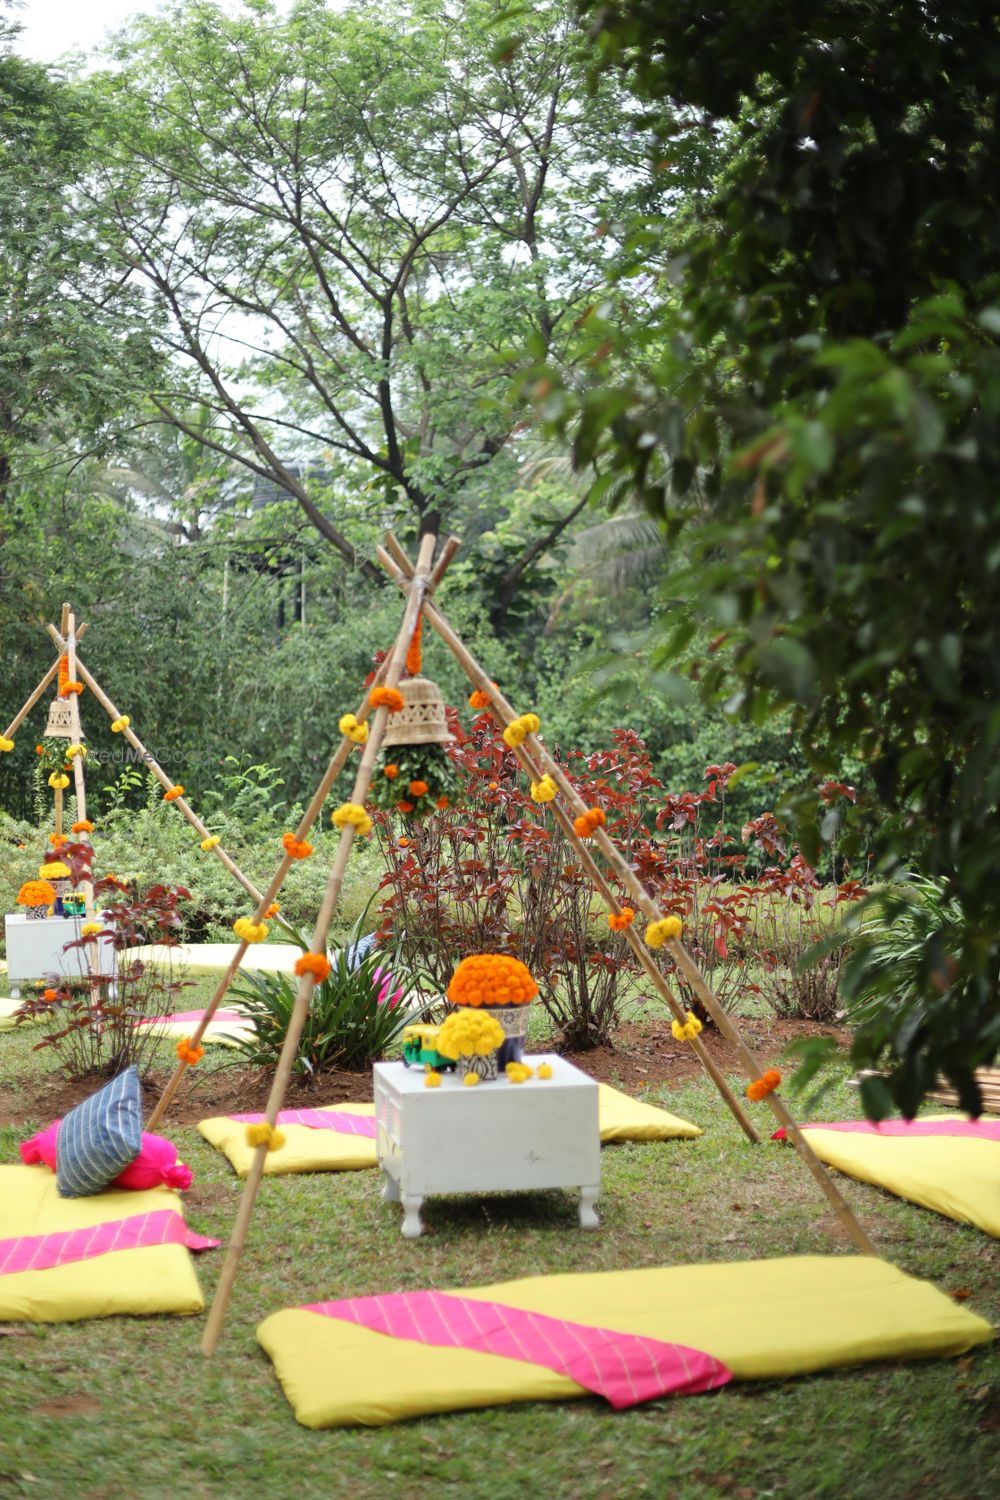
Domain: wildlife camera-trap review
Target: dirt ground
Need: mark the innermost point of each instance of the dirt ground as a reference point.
(642, 1058)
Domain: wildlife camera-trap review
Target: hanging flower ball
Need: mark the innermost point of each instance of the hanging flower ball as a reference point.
(353, 729)
(390, 698)
(666, 930)
(249, 931)
(491, 979)
(316, 964)
(295, 848)
(351, 815)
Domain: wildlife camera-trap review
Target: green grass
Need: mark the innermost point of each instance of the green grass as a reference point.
(122, 1408)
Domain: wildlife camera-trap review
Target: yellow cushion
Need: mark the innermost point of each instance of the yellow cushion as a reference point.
(8, 1010)
(154, 1279)
(623, 1118)
(955, 1176)
(305, 1149)
(764, 1320)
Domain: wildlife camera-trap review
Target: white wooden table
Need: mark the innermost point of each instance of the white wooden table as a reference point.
(35, 948)
(496, 1137)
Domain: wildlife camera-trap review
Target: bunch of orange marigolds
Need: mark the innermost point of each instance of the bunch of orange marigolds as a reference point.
(491, 979)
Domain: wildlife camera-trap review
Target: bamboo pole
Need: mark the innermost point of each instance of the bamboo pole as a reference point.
(26, 707)
(337, 762)
(161, 775)
(79, 783)
(411, 614)
(504, 712)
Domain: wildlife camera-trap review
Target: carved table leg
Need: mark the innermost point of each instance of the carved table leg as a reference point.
(588, 1197)
(412, 1227)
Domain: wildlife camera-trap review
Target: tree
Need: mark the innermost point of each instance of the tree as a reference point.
(818, 398)
(350, 223)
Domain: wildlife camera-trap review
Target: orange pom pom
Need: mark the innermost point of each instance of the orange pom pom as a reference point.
(391, 698)
(316, 964)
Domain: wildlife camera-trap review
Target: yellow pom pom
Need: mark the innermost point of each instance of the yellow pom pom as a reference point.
(545, 1070)
(210, 842)
(58, 781)
(249, 931)
(663, 931)
(277, 1140)
(470, 1080)
(353, 814)
(532, 723)
(5, 743)
(544, 790)
(73, 750)
(117, 725)
(89, 929)
(353, 730)
(260, 1135)
(433, 1080)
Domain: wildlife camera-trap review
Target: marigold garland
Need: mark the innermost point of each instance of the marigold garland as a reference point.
(353, 729)
(59, 781)
(663, 931)
(588, 822)
(249, 931)
(414, 654)
(83, 826)
(491, 979)
(686, 1030)
(351, 815)
(210, 843)
(267, 1135)
(117, 725)
(188, 1053)
(761, 1087)
(544, 790)
(57, 840)
(74, 687)
(390, 698)
(5, 743)
(316, 964)
(518, 729)
(174, 793)
(618, 921)
(295, 848)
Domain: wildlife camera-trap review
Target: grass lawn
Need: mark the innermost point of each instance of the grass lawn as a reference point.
(123, 1408)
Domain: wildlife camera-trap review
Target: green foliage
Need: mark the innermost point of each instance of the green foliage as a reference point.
(817, 396)
(355, 1014)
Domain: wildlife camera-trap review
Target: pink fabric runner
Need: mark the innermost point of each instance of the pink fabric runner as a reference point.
(192, 1017)
(625, 1368)
(975, 1130)
(319, 1119)
(39, 1252)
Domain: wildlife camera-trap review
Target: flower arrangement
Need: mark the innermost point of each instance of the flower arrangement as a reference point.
(36, 893)
(54, 869)
(491, 979)
(465, 1034)
(84, 825)
(418, 778)
(761, 1087)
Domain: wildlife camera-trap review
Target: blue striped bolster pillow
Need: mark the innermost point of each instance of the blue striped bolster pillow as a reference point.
(100, 1137)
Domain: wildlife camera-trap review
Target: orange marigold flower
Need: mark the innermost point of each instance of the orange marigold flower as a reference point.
(391, 698)
(588, 822)
(618, 921)
(406, 806)
(296, 848)
(84, 826)
(39, 749)
(50, 995)
(418, 789)
(442, 803)
(188, 1053)
(761, 1087)
(479, 699)
(491, 979)
(36, 893)
(272, 910)
(174, 793)
(391, 772)
(316, 964)
(404, 843)
(494, 786)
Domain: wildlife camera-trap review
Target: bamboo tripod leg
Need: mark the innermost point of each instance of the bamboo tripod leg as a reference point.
(534, 747)
(217, 1312)
(80, 785)
(312, 812)
(26, 708)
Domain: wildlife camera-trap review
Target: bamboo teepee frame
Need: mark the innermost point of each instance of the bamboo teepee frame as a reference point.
(66, 640)
(418, 582)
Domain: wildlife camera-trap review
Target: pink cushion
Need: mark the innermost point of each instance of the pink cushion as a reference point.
(155, 1165)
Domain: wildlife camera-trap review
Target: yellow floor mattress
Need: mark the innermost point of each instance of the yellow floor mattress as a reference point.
(763, 1320)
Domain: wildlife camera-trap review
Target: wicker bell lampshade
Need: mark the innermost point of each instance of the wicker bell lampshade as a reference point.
(60, 725)
(421, 720)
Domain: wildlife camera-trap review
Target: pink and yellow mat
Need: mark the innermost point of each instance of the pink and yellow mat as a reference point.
(67, 1258)
(627, 1335)
(945, 1162)
(341, 1137)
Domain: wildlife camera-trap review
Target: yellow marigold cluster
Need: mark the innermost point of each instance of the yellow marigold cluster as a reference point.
(91, 929)
(354, 814)
(54, 869)
(518, 729)
(210, 842)
(519, 1072)
(663, 931)
(117, 725)
(432, 1080)
(544, 1070)
(687, 1030)
(491, 979)
(73, 750)
(471, 1080)
(353, 729)
(544, 790)
(58, 781)
(264, 1134)
(249, 931)
(5, 743)
(466, 1034)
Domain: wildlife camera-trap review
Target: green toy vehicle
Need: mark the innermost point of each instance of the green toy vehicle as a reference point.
(420, 1051)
